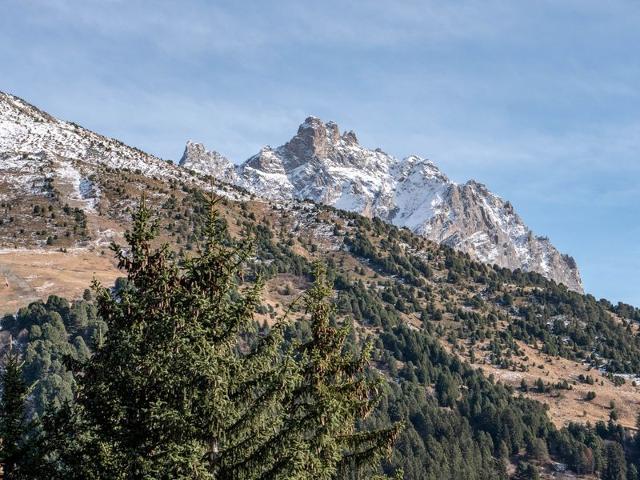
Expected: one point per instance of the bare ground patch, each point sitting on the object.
(28, 275)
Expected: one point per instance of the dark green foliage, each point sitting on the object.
(580, 447)
(576, 326)
(526, 471)
(51, 332)
(615, 466)
(537, 449)
(333, 393)
(13, 422)
(168, 392)
(446, 390)
(470, 430)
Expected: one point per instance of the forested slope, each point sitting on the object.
(440, 324)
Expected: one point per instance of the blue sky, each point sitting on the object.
(538, 99)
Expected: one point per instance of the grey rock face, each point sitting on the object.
(475, 221)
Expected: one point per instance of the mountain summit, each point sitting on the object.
(322, 164)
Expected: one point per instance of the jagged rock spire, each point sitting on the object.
(196, 157)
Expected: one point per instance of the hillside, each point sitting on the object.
(465, 345)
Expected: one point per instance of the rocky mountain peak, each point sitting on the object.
(314, 140)
(321, 164)
(196, 157)
(421, 169)
(350, 138)
(191, 150)
(266, 160)
(333, 132)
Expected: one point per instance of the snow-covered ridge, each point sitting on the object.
(321, 164)
(36, 148)
(26, 130)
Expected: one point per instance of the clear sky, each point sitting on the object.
(540, 100)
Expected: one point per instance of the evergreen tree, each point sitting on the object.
(526, 471)
(335, 394)
(13, 423)
(537, 449)
(446, 390)
(174, 392)
(616, 466)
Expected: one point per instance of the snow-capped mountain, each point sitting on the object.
(321, 164)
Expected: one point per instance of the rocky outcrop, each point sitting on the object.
(198, 159)
(474, 220)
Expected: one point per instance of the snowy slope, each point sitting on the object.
(26, 130)
(36, 148)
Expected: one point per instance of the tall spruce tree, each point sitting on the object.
(173, 385)
(317, 438)
(336, 393)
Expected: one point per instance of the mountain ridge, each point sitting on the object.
(321, 164)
